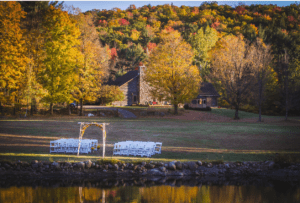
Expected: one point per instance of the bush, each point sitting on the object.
(186, 106)
(109, 94)
(201, 109)
(249, 108)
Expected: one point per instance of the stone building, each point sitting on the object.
(137, 91)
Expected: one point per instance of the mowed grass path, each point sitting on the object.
(182, 140)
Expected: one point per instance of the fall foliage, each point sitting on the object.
(232, 67)
(61, 38)
(128, 37)
(92, 64)
(13, 58)
(170, 71)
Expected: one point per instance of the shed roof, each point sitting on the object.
(124, 78)
(207, 89)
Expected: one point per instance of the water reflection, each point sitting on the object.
(157, 194)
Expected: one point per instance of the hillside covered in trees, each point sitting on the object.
(51, 54)
(133, 33)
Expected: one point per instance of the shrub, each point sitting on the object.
(109, 94)
(186, 106)
(201, 109)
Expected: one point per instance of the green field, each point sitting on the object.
(28, 139)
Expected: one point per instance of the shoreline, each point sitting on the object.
(244, 172)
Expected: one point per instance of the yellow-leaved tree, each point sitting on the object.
(170, 72)
(92, 66)
(61, 36)
(12, 51)
(33, 90)
(233, 67)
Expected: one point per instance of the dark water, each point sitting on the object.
(162, 193)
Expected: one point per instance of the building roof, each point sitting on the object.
(207, 89)
(124, 78)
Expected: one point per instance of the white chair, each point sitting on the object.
(158, 146)
(137, 148)
(116, 149)
(53, 146)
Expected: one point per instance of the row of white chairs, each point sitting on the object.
(137, 148)
(71, 146)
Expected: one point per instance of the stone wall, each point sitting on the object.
(129, 89)
(144, 88)
(88, 169)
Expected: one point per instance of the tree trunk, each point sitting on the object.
(236, 115)
(51, 108)
(1, 108)
(81, 108)
(286, 84)
(237, 106)
(286, 95)
(175, 109)
(32, 106)
(69, 108)
(259, 99)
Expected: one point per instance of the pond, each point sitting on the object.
(170, 192)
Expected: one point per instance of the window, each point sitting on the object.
(204, 101)
(200, 101)
(134, 98)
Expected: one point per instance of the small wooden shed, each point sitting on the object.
(208, 97)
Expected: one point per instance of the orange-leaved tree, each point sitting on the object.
(170, 71)
(12, 51)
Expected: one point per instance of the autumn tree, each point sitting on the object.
(232, 67)
(60, 48)
(12, 51)
(202, 42)
(110, 93)
(92, 67)
(262, 59)
(170, 71)
(34, 44)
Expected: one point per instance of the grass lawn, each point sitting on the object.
(28, 139)
(242, 114)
